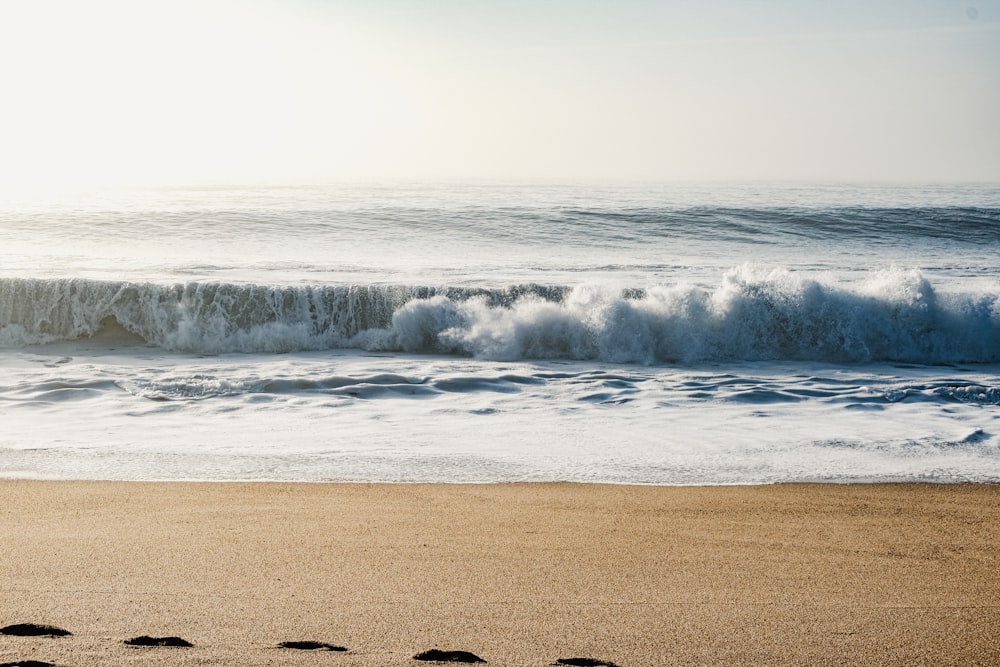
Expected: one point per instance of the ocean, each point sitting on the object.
(640, 334)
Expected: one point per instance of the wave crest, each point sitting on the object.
(752, 314)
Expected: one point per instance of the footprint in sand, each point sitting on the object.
(311, 646)
(158, 641)
(33, 630)
(585, 662)
(434, 655)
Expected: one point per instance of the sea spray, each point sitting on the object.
(753, 314)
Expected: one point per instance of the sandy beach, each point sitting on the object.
(519, 574)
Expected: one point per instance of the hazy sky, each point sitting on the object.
(193, 91)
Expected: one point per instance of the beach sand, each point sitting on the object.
(518, 574)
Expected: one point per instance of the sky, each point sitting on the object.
(181, 92)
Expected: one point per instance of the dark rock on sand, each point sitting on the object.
(34, 630)
(158, 641)
(311, 646)
(27, 663)
(585, 662)
(434, 655)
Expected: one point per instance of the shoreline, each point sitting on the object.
(516, 573)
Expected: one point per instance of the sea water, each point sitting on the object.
(685, 334)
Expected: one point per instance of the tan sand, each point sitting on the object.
(517, 574)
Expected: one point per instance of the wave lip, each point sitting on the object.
(753, 314)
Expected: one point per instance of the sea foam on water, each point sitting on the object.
(752, 315)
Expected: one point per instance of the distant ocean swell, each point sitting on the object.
(752, 314)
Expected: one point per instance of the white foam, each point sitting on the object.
(136, 413)
(753, 314)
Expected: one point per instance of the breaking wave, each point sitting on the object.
(751, 314)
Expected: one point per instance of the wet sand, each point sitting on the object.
(517, 574)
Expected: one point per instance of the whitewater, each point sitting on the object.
(653, 334)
